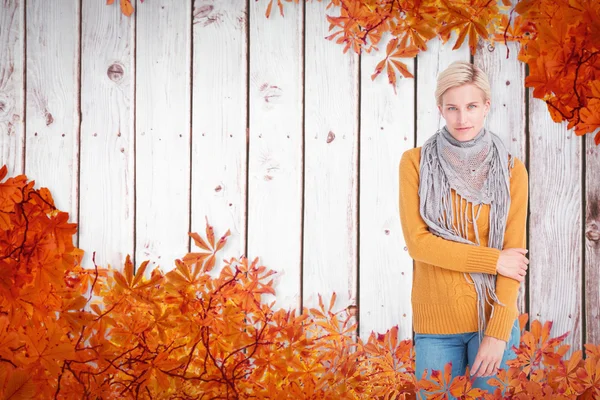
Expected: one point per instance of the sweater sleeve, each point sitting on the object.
(423, 245)
(507, 289)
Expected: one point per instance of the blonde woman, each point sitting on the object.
(463, 209)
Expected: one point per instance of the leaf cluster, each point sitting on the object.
(197, 333)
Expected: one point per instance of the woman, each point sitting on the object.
(463, 209)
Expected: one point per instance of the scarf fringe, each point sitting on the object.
(435, 188)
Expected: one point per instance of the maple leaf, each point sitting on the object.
(19, 385)
(46, 347)
(590, 119)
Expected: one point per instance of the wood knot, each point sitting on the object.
(5, 106)
(330, 137)
(203, 11)
(49, 118)
(352, 310)
(593, 232)
(115, 72)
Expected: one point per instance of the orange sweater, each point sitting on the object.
(443, 301)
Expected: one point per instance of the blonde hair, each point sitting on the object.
(460, 73)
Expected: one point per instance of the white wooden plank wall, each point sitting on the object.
(591, 287)
(162, 126)
(52, 99)
(330, 167)
(12, 89)
(219, 138)
(107, 192)
(205, 109)
(387, 130)
(555, 228)
(275, 175)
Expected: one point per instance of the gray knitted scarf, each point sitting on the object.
(478, 171)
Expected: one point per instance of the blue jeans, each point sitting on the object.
(435, 351)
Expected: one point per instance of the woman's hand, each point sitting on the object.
(512, 263)
(489, 357)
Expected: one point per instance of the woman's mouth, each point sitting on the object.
(463, 129)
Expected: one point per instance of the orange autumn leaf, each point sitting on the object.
(126, 7)
(589, 376)
(462, 387)
(19, 386)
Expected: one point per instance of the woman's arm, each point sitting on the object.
(425, 246)
(507, 289)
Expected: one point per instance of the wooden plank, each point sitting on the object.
(507, 113)
(219, 121)
(52, 100)
(331, 167)
(107, 141)
(555, 228)
(592, 240)
(385, 268)
(507, 80)
(275, 153)
(162, 130)
(429, 64)
(12, 86)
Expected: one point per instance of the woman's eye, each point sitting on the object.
(472, 105)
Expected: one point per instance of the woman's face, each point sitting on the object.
(464, 110)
